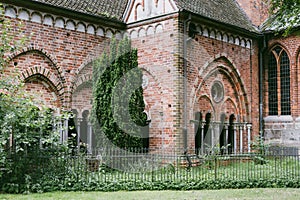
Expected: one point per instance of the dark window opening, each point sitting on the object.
(207, 132)
(231, 134)
(285, 84)
(198, 131)
(273, 96)
(222, 134)
(279, 75)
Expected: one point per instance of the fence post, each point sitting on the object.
(216, 163)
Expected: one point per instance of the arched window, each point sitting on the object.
(279, 82)
(285, 84)
(273, 97)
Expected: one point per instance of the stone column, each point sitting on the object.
(66, 129)
(202, 138)
(234, 138)
(226, 137)
(59, 125)
(241, 137)
(212, 132)
(79, 120)
(249, 137)
(89, 137)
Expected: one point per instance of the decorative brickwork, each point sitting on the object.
(284, 129)
(197, 57)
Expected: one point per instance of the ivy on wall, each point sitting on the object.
(118, 104)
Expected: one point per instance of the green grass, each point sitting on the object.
(265, 194)
(236, 170)
(212, 174)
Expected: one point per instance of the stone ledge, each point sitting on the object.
(285, 118)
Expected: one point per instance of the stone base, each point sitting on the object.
(282, 131)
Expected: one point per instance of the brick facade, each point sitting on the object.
(222, 70)
(157, 58)
(256, 10)
(284, 129)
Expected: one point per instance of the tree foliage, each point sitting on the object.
(285, 15)
(118, 104)
(24, 126)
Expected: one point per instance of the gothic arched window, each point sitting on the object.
(279, 82)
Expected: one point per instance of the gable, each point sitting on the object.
(144, 9)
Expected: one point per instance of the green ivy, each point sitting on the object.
(118, 104)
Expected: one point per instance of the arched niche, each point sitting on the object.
(10, 12)
(70, 25)
(36, 17)
(24, 15)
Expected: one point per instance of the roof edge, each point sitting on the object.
(43, 7)
(226, 26)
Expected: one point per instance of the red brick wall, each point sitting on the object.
(157, 58)
(284, 130)
(161, 57)
(236, 67)
(256, 10)
(64, 56)
(58, 54)
(291, 45)
(43, 93)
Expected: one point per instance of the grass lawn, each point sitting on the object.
(245, 194)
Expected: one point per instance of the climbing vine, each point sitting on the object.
(118, 104)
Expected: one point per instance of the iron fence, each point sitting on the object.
(114, 165)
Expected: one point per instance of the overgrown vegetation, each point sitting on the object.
(285, 14)
(26, 130)
(118, 104)
(224, 173)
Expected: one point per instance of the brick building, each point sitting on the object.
(211, 72)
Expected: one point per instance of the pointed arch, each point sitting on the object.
(215, 69)
(81, 92)
(154, 106)
(205, 105)
(44, 90)
(42, 52)
(230, 106)
(279, 81)
(43, 72)
(33, 62)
